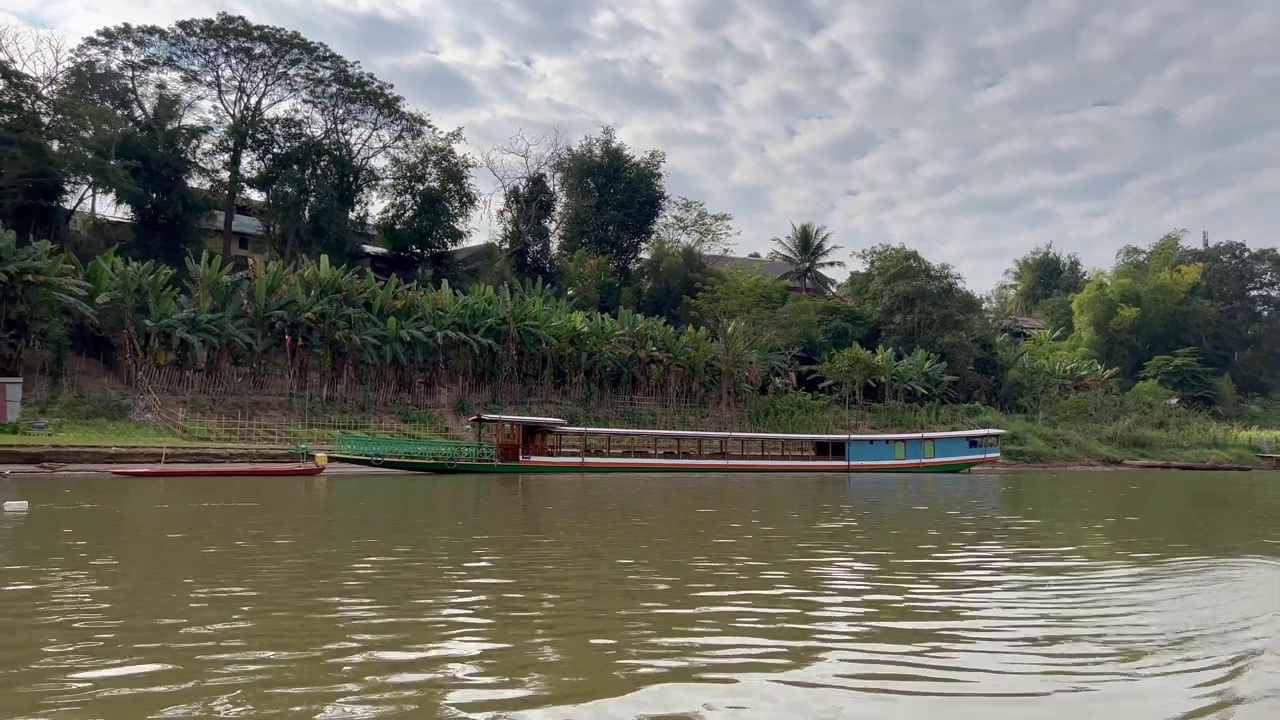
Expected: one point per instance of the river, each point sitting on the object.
(986, 596)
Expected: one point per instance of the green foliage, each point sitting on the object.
(1182, 373)
(38, 284)
(430, 198)
(611, 199)
(1241, 335)
(1142, 308)
(668, 279)
(918, 304)
(32, 173)
(740, 296)
(850, 370)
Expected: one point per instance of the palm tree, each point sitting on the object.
(808, 250)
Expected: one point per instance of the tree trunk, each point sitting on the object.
(229, 204)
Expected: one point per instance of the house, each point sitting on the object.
(1021, 328)
(761, 266)
(102, 231)
(246, 247)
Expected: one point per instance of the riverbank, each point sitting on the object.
(1101, 431)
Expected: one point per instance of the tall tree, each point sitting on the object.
(246, 73)
(32, 183)
(313, 190)
(611, 199)
(808, 249)
(688, 223)
(157, 154)
(529, 208)
(525, 197)
(919, 304)
(429, 199)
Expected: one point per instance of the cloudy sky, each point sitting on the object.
(971, 130)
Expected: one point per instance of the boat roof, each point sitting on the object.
(703, 434)
(560, 426)
(517, 420)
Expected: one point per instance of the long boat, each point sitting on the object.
(178, 470)
(519, 444)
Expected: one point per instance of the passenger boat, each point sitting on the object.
(177, 470)
(517, 444)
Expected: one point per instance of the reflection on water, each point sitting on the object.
(1042, 595)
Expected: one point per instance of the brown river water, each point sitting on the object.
(1036, 595)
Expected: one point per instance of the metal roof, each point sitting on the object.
(616, 432)
(517, 420)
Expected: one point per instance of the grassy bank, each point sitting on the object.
(94, 433)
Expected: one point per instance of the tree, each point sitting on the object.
(429, 199)
(1142, 307)
(1242, 288)
(157, 154)
(590, 282)
(688, 223)
(524, 198)
(313, 190)
(32, 182)
(739, 296)
(851, 370)
(1042, 284)
(1182, 373)
(669, 278)
(918, 304)
(529, 208)
(610, 199)
(808, 250)
(245, 73)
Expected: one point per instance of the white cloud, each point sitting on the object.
(973, 131)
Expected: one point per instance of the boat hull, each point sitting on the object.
(230, 471)
(563, 465)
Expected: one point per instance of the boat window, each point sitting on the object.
(929, 452)
(900, 450)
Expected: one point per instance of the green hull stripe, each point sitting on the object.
(519, 469)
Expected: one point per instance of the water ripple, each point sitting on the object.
(963, 597)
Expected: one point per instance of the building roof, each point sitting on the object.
(240, 224)
(763, 266)
(1030, 323)
(517, 420)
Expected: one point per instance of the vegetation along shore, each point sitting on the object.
(191, 262)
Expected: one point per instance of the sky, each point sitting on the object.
(973, 131)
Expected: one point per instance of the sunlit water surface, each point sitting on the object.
(1048, 595)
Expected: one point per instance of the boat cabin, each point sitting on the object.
(522, 438)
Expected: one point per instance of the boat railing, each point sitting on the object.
(373, 446)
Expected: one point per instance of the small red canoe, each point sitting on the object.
(223, 470)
